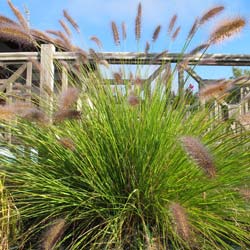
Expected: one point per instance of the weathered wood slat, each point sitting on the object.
(139, 58)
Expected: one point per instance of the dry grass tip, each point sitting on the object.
(180, 220)
(227, 29)
(138, 22)
(208, 15)
(54, 234)
(199, 153)
(68, 98)
(71, 21)
(216, 90)
(115, 33)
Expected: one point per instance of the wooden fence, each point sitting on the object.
(22, 65)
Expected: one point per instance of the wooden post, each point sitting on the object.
(29, 81)
(47, 76)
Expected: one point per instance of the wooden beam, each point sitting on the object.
(195, 76)
(142, 58)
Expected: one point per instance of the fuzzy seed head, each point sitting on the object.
(156, 33)
(68, 98)
(67, 143)
(124, 31)
(176, 33)
(71, 21)
(193, 28)
(138, 22)
(7, 21)
(199, 153)
(14, 33)
(63, 115)
(172, 23)
(35, 115)
(97, 41)
(208, 15)
(53, 235)
(199, 48)
(115, 33)
(133, 100)
(180, 220)
(245, 193)
(65, 28)
(216, 90)
(19, 16)
(227, 29)
(118, 77)
(244, 120)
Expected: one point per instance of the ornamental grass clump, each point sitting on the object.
(131, 169)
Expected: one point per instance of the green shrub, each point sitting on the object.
(130, 170)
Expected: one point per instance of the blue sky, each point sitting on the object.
(94, 18)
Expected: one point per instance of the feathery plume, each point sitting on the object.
(180, 220)
(19, 16)
(63, 115)
(176, 33)
(147, 48)
(133, 100)
(240, 80)
(227, 29)
(94, 55)
(6, 113)
(12, 33)
(199, 48)
(193, 28)
(199, 153)
(97, 41)
(5, 20)
(245, 193)
(216, 90)
(67, 143)
(47, 89)
(172, 23)
(53, 32)
(138, 22)
(37, 34)
(244, 120)
(65, 28)
(68, 98)
(64, 39)
(211, 13)
(82, 55)
(71, 21)
(124, 31)
(118, 77)
(138, 81)
(35, 115)
(115, 33)
(156, 33)
(53, 235)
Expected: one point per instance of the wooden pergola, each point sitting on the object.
(24, 68)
